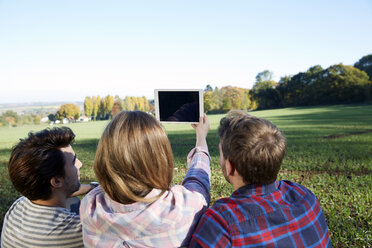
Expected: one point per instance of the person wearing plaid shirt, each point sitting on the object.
(134, 206)
(262, 211)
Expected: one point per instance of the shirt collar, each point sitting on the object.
(119, 207)
(257, 189)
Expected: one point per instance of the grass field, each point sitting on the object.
(329, 151)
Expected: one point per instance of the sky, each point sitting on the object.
(67, 50)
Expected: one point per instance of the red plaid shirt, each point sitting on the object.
(282, 214)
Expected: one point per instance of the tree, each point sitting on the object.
(146, 104)
(283, 90)
(245, 101)
(140, 105)
(208, 104)
(70, 111)
(266, 75)
(365, 64)
(116, 109)
(128, 104)
(151, 105)
(217, 100)
(26, 119)
(133, 100)
(227, 105)
(101, 108)
(51, 117)
(108, 105)
(299, 90)
(10, 120)
(208, 88)
(343, 84)
(96, 105)
(265, 95)
(36, 119)
(235, 95)
(13, 117)
(120, 102)
(88, 106)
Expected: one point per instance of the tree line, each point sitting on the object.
(95, 108)
(337, 84)
(104, 108)
(11, 118)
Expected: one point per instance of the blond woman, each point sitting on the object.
(134, 206)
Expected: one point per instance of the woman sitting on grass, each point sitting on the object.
(134, 205)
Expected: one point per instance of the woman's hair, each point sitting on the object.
(133, 157)
(255, 146)
(37, 159)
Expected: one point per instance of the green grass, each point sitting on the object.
(329, 151)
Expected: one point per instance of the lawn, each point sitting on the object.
(329, 151)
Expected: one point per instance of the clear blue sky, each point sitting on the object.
(66, 50)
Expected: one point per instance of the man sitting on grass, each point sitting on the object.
(262, 212)
(45, 170)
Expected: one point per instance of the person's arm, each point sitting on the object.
(84, 189)
(198, 175)
(202, 130)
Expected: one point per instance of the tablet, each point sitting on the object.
(179, 106)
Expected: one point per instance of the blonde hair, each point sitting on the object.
(133, 157)
(255, 146)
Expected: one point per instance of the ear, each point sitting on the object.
(230, 168)
(56, 182)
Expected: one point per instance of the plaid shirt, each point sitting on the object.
(167, 222)
(281, 214)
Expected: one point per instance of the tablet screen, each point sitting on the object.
(179, 106)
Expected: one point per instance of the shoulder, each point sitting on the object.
(295, 190)
(18, 206)
(227, 205)
(223, 205)
(299, 197)
(94, 199)
(20, 202)
(91, 197)
(26, 219)
(184, 196)
(213, 228)
(221, 211)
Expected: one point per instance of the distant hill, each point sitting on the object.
(35, 107)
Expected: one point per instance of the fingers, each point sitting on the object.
(205, 119)
(202, 129)
(202, 120)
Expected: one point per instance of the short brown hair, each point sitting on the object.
(133, 157)
(253, 145)
(37, 159)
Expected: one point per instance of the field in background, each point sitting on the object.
(35, 107)
(329, 151)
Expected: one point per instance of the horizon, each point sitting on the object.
(64, 51)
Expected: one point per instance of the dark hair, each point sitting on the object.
(37, 159)
(253, 145)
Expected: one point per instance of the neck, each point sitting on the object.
(237, 181)
(238, 185)
(54, 201)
